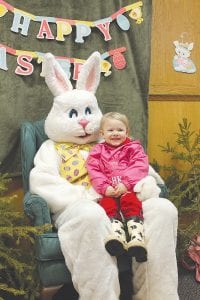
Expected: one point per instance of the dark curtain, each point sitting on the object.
(28, 98)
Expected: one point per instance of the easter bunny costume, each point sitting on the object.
(60, 177)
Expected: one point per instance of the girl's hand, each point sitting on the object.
(110, 192)
(120, 189)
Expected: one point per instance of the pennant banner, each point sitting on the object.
(25, 67)
(22, 19)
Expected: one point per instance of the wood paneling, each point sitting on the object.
(171, 18)
(164, 117)
(173, 95)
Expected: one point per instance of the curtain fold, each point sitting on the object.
(28, 98)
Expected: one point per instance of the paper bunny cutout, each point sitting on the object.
(181, 61)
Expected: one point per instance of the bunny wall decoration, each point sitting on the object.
(181, 61)
(60, 177)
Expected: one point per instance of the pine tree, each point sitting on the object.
(18, 275)
(183, 181)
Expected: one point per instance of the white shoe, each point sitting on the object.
(136, 245)
(115, 244)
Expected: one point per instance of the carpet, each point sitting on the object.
(188, 287)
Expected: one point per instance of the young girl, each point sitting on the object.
(114, 167)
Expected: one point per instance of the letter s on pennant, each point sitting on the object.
(25, 67)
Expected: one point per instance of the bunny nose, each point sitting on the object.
(83, 122)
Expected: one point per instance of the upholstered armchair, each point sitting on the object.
(52, 270)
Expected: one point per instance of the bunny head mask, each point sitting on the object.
(75, 115)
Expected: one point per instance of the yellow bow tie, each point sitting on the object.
(72, 162)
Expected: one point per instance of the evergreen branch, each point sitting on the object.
(17, 262)
(12, 262)
(13, 291)
(22, 231)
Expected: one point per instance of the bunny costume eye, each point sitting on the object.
(73, 113)
(88, 111)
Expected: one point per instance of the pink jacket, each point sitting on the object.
(109, 165)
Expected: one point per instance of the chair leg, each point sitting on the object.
(47, 293)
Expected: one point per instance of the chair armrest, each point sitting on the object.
(36, 209)
(164, 191)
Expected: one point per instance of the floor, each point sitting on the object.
(189, 288)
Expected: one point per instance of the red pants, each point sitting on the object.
(128, 204)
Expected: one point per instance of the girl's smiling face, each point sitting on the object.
(114, 132)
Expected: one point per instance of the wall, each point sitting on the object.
(173, 95)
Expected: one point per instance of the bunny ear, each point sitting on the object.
(55, 77)
(89, 76)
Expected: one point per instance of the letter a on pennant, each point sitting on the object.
(45, 30)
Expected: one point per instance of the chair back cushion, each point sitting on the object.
(32, 136)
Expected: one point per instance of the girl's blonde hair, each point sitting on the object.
(116, 116)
